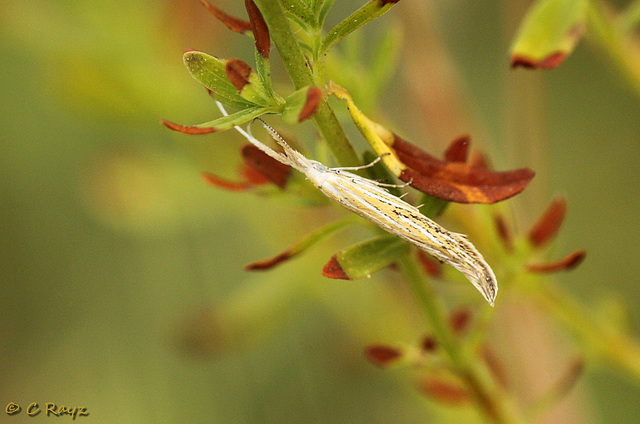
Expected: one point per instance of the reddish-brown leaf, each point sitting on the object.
(504, 232)
(314, 96)
(443, 390)
(384, 2)
(565, 264)
(459, 320)
(458, 150)
(259, 28)
(548, 224)
(332, 269)
(186, 129)
(224, 183)
(269, 263)
(253, 176)
(382, 355)
(231, 22)
(276, 172)
(549, 62)
(431, 266)
(238, 73)
(456, 181)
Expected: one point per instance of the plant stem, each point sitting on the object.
(490, 399)
(612, 345)
(603, 32)
(301, 75)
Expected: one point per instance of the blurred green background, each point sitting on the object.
(122, 278)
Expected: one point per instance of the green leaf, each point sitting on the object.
(301, 105)
(220, 124)
(370, 11)
(550, 31)
(363, 259)
(210, 72)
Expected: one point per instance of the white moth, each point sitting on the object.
(374, 203)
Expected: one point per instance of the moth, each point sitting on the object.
(373, 202)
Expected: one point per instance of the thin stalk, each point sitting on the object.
(603, 32)
(301, 75)
(612, 345)
(490, 399)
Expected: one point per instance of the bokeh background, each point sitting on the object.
(121, 272)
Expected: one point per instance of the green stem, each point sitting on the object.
(301, 75)
(615, 347)
(491, 400)
(604, 33)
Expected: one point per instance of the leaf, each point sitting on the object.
(550, 31)
(451, 181)
(382, 355)
(548, 224)
(259, 28)
(444, 388)
(455, 181)
(234, 24)
(363, 259)
(370, 11)
(301, 105)
(231, 81)
(247, 82)
(220, 124)
(301, 246)
(565, 264)
(275, 171)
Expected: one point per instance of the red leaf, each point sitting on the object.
(382, 355)
(269, 263)
(231, 22)
(431, 266)
(459, 320)
(444, 390)
(565, 264)
(549, 62)
(253, 176)
(259, 28)
(190, 130)
(225, 184)
(332, 269)
(276, 172)
(238, 73)
(314, 96)
(503, 231)
(458, 150)
(455, 181)
(548, 224)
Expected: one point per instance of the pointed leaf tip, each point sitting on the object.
(333, 269)
(269, 263)
(565, 264)
(548, 224)
(259, 28)
(446, 390)
(458, 150)
(549, 62)
(549, 33)
(216, 181)
(190, 130)
(231, 22)
(382, 355)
